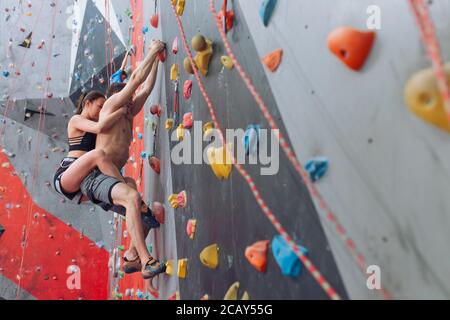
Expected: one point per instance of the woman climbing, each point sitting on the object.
(83, 157)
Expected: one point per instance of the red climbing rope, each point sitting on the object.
(324, 284)
(431, 43)
(323, 207)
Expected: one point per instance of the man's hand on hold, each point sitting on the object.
(157, 46)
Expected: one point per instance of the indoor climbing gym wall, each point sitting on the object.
(355, 99)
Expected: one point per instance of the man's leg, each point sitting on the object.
(124, 195)
(131, 254)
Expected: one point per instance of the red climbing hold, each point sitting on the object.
(351, 46)
(273, 60)
(154, 21)
(156, 110)
(187, 89)
(155, 164)
(188, 120)
(162, 55)
(158, 212)
(256, 254)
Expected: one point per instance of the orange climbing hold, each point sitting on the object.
(351, 46)
(256, 254)
(154, 21)
(273, 60)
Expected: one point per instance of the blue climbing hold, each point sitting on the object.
(144, 30)
(287, 260)
(144, 155)
(140, 136)
(317, 168)
(251, 139)
(266, 10)
(5, 73)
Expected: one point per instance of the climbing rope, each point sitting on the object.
(319, 278)
(323, 206)
(431, 43)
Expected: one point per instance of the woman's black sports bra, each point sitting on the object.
(83, 143)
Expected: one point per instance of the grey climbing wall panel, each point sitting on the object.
(227, 213)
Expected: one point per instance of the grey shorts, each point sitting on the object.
(97, 187)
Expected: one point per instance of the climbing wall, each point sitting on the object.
(75, 45)
(226, 212)
(382, 202)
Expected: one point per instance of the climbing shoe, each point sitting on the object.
(152, 268)
(130, 267)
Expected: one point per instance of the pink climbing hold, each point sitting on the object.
(155, 164)
(188, 120)
(187, 89)
(158, 212)
(156, 110)
(175, 46)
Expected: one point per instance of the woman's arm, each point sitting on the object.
(86, 125)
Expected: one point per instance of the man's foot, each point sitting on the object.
(131, 266)
(152, 268)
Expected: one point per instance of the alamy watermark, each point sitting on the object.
(253, 146)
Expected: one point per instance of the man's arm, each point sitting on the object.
(137, 78)
(125, 61)
(146, 90)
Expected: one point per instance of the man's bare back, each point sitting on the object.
(116, 141)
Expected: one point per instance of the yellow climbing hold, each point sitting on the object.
(245, 296)
(169, 124)
(180, 7)
(169, 267)
(220, 161)
(182, 267)
(208, 130)
(178, 200)
(424, 99)
(174, 72)
(205, 297)
(180, 132)
(227, 62)
(232, 292)
(203, 57)
(209, 257)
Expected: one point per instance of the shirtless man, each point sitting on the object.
(113, 194)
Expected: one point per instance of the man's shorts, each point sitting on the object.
(98, 187)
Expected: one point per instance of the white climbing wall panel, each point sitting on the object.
(389, 173)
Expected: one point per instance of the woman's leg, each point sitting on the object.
(72, 178)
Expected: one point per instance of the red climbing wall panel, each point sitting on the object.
(51, 248)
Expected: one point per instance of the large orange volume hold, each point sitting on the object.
(351, 46)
